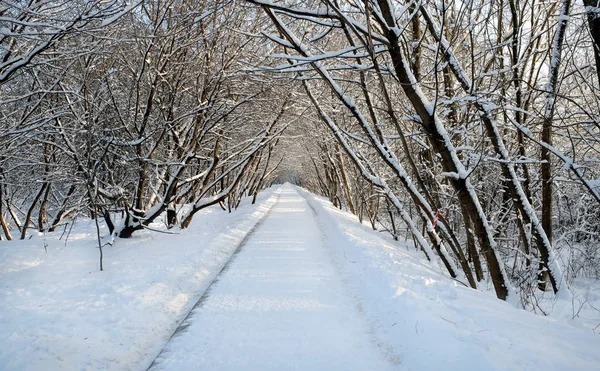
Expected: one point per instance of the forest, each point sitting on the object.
(467, 129)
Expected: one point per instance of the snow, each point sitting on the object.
(432, 322)
(59, 312)
(119, 14)
(278, 40)
(349, 52)
(309, 288)
(279, 305)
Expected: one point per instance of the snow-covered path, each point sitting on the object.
(279, 304)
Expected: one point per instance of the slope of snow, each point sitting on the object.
(59, 312)
(432, 322)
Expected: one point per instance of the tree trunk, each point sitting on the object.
(546, 172)
(62, 210)
(593, 17)
(42, 214)
(2, 221)
(30, 211)
(440, 143)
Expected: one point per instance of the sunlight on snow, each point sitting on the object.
(401, 290)
(177, 303)
(22, 265)
(290, 210)
(429, 281)
(241, 303)
(155, 295)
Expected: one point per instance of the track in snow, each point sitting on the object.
(278, 305)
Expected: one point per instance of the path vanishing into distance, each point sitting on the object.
(290, 282)
(279, 304)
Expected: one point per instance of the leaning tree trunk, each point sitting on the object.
(593, 17)
(549, 261)
(441, 144)
(2, 220)
(30, 211)
(544, 274)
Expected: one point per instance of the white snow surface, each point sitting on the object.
(59, 312)
(435, 323)
(279, 305)
(310, 288)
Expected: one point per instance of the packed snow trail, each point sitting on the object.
(280, 304)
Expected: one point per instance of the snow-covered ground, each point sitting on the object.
(59, 312)
(279, 305)
(433, 322)
(310, 288)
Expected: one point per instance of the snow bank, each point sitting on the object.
(430, 322)
(59, 312)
